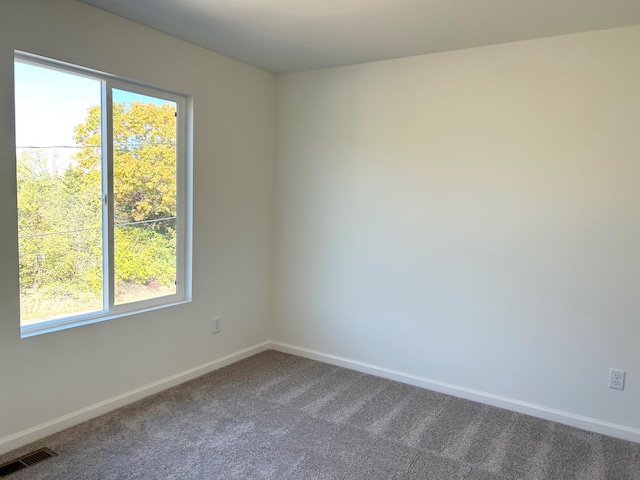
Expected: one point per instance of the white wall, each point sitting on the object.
(470, 217)
(45, 377)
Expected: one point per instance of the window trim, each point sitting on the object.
(184, 199)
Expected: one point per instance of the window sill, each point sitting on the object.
(49, 326)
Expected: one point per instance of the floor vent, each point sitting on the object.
(26, 461)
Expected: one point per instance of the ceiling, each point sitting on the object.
(284, 36)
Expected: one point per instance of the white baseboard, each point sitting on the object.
(586, 423)
(559, 416)
(57, 424)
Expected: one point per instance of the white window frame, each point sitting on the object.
(184, 199)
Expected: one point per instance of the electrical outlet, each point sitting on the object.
(217, 325)
(616, 378)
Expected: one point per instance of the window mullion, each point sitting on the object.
(182, 211)
(107, 190)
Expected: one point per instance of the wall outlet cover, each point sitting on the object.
(617, 378)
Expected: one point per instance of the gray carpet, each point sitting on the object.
(277, 416)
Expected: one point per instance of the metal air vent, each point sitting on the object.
(26, 461)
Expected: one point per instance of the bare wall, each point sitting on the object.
(471, 217)
(52, 375)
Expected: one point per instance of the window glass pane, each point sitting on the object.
(59, 183)
(144, 188)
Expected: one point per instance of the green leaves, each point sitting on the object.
(60, 213)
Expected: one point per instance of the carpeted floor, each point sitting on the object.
(277, 416)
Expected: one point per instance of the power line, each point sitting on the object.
(155, 220)
(60, 146)
(66, 232)
(136, 145)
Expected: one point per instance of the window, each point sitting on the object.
(103, 195)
